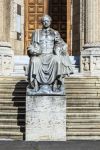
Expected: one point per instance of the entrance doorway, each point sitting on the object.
(60, 11)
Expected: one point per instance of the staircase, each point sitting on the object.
(83, 108)
(12, 108)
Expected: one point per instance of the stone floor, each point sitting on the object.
(69, 145)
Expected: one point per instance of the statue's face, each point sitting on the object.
(46, 22)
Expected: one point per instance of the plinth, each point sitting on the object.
(45, 118)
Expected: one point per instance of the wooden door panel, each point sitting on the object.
(57, 9)
(34, 10)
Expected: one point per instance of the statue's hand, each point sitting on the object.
(34, 50)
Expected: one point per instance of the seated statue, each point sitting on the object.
(48, 60)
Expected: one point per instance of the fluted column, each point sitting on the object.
(6, 52)
(4, 20)
(90, 54)
(92, 21)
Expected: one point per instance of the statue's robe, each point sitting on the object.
(48, 58)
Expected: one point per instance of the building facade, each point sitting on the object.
(77, 21)
(20, 18)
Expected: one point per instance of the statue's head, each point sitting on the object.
(46, 21)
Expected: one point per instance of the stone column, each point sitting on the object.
(4, 20)
(90, 54)
(6, 52)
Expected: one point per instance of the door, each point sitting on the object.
(34, 10)
(59, 10)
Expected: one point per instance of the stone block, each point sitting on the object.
(45, 118)
(90, 59)
(6, 59)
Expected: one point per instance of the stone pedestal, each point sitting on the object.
(90, 59)
(6, 59)
(45, 118)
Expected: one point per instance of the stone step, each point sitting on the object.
(83, 109)
(12, 91)
(12, 103)
(82, 120)
(78, 133)
(12, 122)
(86, 123)
(82, 100)
(11, 97)
(13, 86)
(12, 78)
(81, 86)
(15, 94)
(82, 91)
(86, 131)
(5, 115)
(83, 104)
(12, 109)
(82, 79)
(12, 128)
(11, 135)
(83, 115)
(12, 81)
(82, 95)
(81, 127)
(81, 137)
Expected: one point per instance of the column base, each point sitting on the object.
(45, 118)
(90, 59)
(6, 59)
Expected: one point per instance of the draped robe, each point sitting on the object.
(48, 58)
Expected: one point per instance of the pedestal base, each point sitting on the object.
(90, 59)
(45, 118)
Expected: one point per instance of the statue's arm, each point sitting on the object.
(30, 48)
(60, 45)
(33, 48)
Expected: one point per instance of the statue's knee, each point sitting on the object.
(57, 60)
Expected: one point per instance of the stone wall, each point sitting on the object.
(9, 24)
(17, 44)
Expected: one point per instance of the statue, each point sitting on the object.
(48, 61)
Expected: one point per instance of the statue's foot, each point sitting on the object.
(57, 85)
(34, 85)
